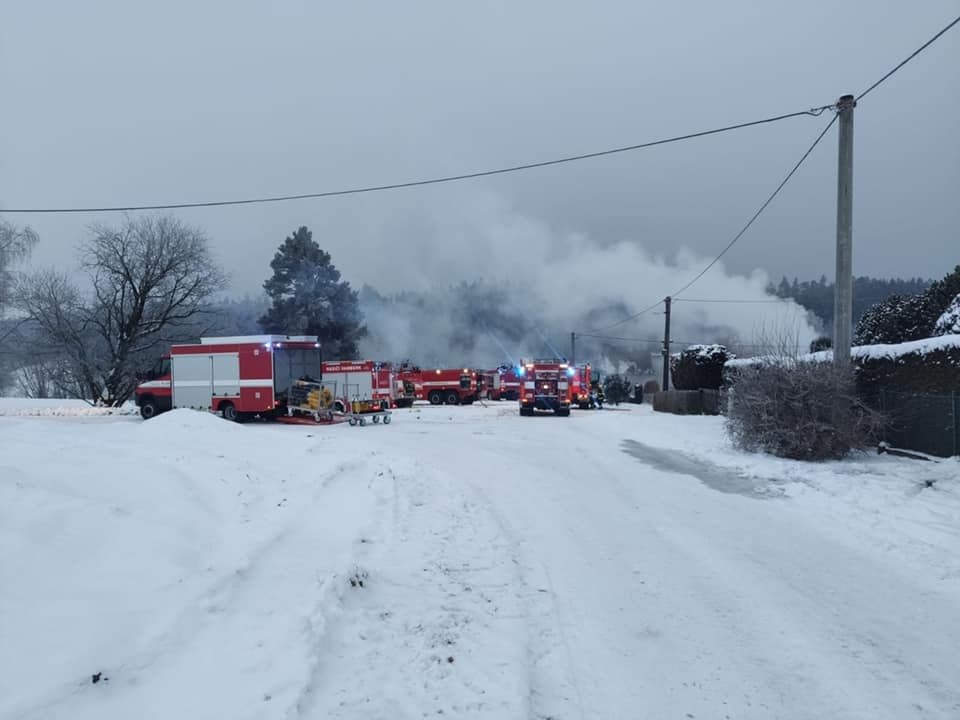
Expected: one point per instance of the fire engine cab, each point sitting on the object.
(238, 377)
(545, 385)
(509, 382)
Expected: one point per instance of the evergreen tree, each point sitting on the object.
(821, 343)
(949, 322)
(901, 319)
(942, 292)
(308, 298)
(895, 320)
(617, 389)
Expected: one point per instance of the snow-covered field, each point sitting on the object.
(466, 562)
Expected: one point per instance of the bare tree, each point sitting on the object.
(15, 244)
(150, 279)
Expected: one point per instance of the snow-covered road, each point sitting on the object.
(466, 562)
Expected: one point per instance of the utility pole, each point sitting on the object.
(666, 344)
(843, 289)
(573, 348)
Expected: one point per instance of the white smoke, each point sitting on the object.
(532, 286)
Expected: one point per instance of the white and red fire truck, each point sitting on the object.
(442, 385)
(399, 392)
(239, 377)
(366, 382)
(545, 385)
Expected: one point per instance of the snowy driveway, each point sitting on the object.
(466, 562)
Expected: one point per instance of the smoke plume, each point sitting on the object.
(485, 285)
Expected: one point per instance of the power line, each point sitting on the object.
(627, 319)
(815, 112)
(688, 343)
(736, 237)
(910, 57)
(699, 300)
(785, 180)
(763, 207)
(622, 339)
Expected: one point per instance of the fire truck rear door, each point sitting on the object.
(226, 374)
(192, 381)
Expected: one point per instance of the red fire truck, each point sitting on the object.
(442, 385)
(545, 385)
(488, 384)
(509, 382)
(580, 386)
(238, 377)
(401, 393)
(366, 382)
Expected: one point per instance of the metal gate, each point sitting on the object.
(925, 423)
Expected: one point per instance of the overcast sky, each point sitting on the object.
(126, 102)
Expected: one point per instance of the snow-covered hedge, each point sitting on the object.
(699, 366)
(931, 365)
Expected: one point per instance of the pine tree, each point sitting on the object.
(308, 298)
(901, 319)
(895, 320)
(949, 322)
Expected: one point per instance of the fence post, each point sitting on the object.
(887, 420)
(956, 422)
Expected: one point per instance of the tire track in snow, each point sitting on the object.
(552, 684)
(433, 630)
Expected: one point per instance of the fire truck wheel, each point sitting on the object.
(386, 419)
(148, 409)
(435, 397)
(453, 398)
(384, 404)
(339, 407)
(353, 421)
(230, 412)
(376, 419)
(563, 412)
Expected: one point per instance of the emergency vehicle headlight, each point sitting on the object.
(520, 371)
(570, 372)
(267, 345)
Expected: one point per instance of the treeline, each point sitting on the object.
(141, 285)
(817, 295)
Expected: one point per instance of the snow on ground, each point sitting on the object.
(466, 562)
(24, 407)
